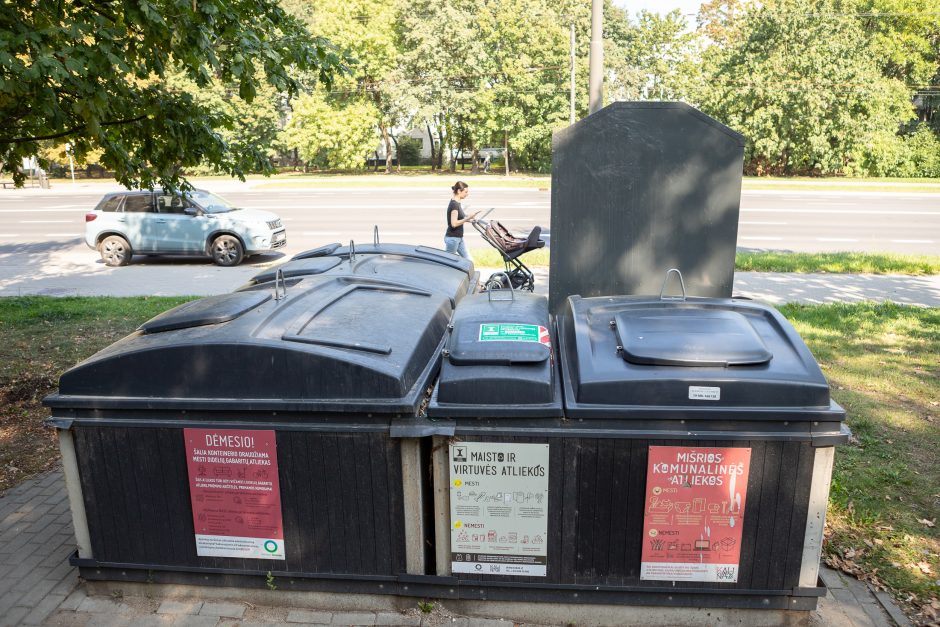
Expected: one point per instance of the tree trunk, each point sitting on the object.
(431, 139)
(506, 150)
(397, 156)
(461, 151)
(440, 149)
(388, 147)
(476, 161)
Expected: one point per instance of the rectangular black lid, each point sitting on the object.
(640, 356)
(689, 337)
(498, 360)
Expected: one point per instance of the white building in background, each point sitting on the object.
(418, 133)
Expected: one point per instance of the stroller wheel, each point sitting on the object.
(493, 284)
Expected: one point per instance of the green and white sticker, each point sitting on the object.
(513, 332)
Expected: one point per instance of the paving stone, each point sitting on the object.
(102, 605)
(41, 529)
(35, 595)
(153, 620)
(13, 616)
(30, 577)
(227, 610)
(887, 602)
(36, 512)
(394, 618)
(8, 600)
(195, 621)
(489, 622)
(309, 617)
(179, 607)
(67, 619)
(107, 620)
(73, 600)
(43, 609)
(67, 584)
(831, 578)
(15, 540)
(353, 618)
(879, 618)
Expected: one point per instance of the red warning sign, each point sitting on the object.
(694, 513)
(235, 493)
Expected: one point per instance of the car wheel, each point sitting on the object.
(115, 251)
(227, 251)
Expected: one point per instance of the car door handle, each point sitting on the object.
(122, 219)
(161, 221)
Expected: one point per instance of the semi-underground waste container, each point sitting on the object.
(246, 436)
(691, 469)
(498, 393)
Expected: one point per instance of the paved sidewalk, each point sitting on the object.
(72, 275)
(39, 587)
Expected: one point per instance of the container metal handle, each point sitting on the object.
(511, 299)
(662, 291)
(279, 282)
(375, 235)
(352, 253)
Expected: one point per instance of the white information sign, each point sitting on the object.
(499, 508)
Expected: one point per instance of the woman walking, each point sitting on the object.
(456, 218)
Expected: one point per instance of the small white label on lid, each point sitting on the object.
(701, 393)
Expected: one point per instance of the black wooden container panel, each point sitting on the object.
(797, 531)
(789, 461)
(597, 491)
(752, 513)
(340, 500)
(760, 576)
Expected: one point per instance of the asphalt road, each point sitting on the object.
(798, 220)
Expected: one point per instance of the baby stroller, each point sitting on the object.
(517, 275)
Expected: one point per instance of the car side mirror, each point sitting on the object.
(191, 211)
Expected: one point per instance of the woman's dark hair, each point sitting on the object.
(459, 186)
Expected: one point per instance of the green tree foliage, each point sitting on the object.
(92, 73)
(364, 29)
(524, 85)
(801, 84)
(247, 127)
(663, 51)
(409, 151)
(330, 135)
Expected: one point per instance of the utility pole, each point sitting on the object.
(596, 80)
(68, 149)
(572, 73)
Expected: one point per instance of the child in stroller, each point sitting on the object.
(516, 275)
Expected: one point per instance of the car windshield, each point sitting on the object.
(210, 203)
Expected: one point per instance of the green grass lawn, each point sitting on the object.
(41, 337)
(838, 263)
(883, 364)
(882, 361)
(835, 263)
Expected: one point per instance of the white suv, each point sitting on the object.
(193, 223)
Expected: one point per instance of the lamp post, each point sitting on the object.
(596, 79)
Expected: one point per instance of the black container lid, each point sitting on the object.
(351, 339)
(498, 360)
(211, 310)
(645, 357)
(689, 337)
